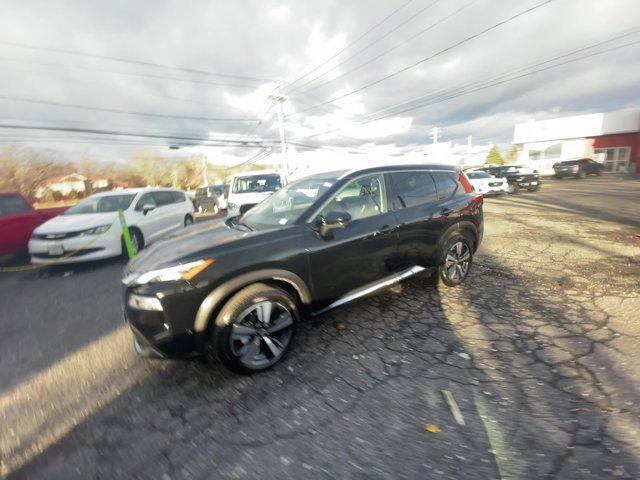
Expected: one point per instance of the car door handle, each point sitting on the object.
(385, 229)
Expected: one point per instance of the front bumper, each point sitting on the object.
(75, 249)
(165, 329)
(492, 190)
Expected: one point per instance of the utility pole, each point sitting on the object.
(205, 180)
(280, 99)
(435, 134)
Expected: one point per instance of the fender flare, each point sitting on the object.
(215, 298)
(458, 227)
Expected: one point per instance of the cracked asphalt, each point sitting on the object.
(539, 349)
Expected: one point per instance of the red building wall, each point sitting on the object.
(621, 140)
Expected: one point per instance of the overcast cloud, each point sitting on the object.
(280, 41)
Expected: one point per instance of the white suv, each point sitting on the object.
(91, 230)
(249, 189)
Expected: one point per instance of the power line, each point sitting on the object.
(238, 142)
(132, 62)
(352, 43)
(482, 85)
(395, 47)
(369, 45)
(132, 74)
(111, 86)
(423, 60)
(506, 73)
(122, 112)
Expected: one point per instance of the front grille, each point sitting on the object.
(77, 253)
(55, 236)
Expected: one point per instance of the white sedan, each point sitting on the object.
(487, 184)
(91, 230)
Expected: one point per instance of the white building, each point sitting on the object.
(612, 138)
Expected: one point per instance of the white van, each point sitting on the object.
(250, 188)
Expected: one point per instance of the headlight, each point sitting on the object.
(95, 230)
(185, 271)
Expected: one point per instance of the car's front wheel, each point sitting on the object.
(255, 329)
(514, 188)
(456, 261)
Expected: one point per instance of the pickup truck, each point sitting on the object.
(18, 219)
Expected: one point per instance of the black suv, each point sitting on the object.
(516, 178)
(577, 168)
(235, 289)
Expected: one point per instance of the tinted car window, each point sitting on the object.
(146, 199)
(413, 188)
(362, 198)
(163, 198)
(12, 205)
(178, 197)
(445, 184)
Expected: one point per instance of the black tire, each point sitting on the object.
(137, 241)
(599, 172)
(242, 341)
(558, 177)
(514, 188)
(188, 220)
(461, 270)
(581, 174)
(534, 189)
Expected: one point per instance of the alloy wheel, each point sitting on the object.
(260, 335)
(457, 262)
(135, 243)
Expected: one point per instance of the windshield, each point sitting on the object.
(287, 205)
(102, 204)
(478, 175)
(257, 183)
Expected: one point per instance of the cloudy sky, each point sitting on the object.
(361, 74)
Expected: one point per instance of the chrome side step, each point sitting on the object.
(372, 287)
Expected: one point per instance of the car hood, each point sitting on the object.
(255, 197)
(76, 223)
(187, 245)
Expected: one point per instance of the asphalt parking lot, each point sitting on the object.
(538, 348)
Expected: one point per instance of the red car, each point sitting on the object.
(18, 218)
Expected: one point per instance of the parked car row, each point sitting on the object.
(496, 180)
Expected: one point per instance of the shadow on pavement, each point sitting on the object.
(533, 375)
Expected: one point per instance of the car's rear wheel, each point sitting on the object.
(582, 174)
(514, 188)
(456, 261)
(255, 329)
(188, 220)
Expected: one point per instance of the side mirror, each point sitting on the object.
(332, 221)
(147, 207)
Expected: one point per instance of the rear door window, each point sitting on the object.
(446, 186)
(178, 197)
(412, 188)
(12, 205)
(163, 198)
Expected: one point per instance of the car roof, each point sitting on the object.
(258, 172)
(133, 191)
(398, 168)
